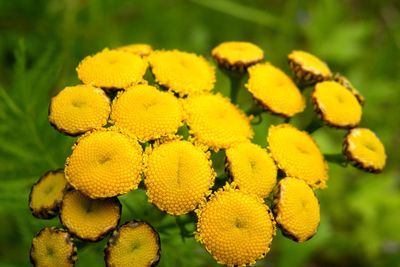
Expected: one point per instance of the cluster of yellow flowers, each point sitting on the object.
(164, 129)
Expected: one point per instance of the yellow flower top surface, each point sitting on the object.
(236, 228)
(252, 169)
(178, 176)
(78, 109)
(364, 149)
(237, 54)
(296, 209)
(142, 50)
(53, 247)
(347, 84)
(112, 69)
(47, 194)
(336, 105)
(274, 90)
(310, 63)
(297, 154)
(104, 163)
(182, 72)
(216, 122)
(89, 219)
(147, 113)
(135, 244)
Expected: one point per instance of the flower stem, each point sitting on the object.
(236, 80)
(339, 159)
(314, 125)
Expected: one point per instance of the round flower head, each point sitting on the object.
(53, 247)
(274, 90)
(216, 122)
(182, 72)
(296, 209)
(89, 219)
(251, 168)
(364, 150)
(112, 69)
(134, 244)
(47, 193)
(178, 176)
(142, 50)
(237, 55)
(78, 109)
(236, 228)
(297, 154)
(346, 83)
(104, 163)
(336, 105)
(146, 112)
(307, 67)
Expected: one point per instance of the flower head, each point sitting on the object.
(346, 83)
(142, 50)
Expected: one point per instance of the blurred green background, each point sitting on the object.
(41, 43)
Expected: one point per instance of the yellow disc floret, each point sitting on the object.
(182, 72)
(178, 176)
(336, 105)
(89, 219)
(135, 244)
(237, 54)
(78, 109)
(47, 193)
(251, 168)
(274, 90)
(53, 247)
(364, 149)
(216, 122)
(307, 67)
(112, 69)
(297, 154)
(142, 50)
(236, 228)
(104, 163)
(147, 113)
(296, 209)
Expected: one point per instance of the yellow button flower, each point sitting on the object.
(274, 90)
(142, 50)
(236, 228)
(182, 72)
(104, 163)
(216, 122)
(346, 83)
(336, 105)
(78, 109)
(364, 150)
(296, 209)
(178, 176)
(112, 69)
(147, 113)
(251, 168)
(297, 154)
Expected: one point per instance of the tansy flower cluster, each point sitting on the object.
(148, 119)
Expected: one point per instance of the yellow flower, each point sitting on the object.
(78, 109)
(53, 247)
(307, 67)
(112, 69)
(216, 122)
(251, 168)
(142, 50)
(296, 209)
(178, 176)
(336, 105)
(134, 244)
(146, 112)
(237, 54)
(274, 90)
(47, 194)
(104, 163)
(236, 228)
(297, 154)
(364, 150)
(346, 83)
(89, 219)
(182, 72)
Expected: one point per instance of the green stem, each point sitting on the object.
(339, 159)
(314, 125)
(235, 80)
